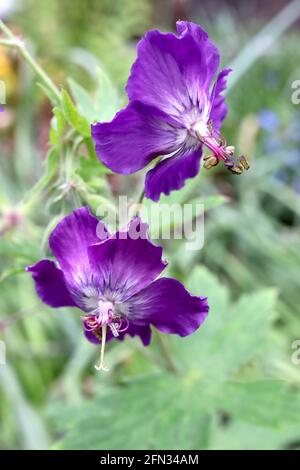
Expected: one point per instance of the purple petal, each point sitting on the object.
(206, 47)
(144, 332)
(136, 135)
(219, 108)
(168, 306)
(50, 284)
(94, 339)
(172, 172)
(69, 242)
(170, 72)
(184, 28)
(124, 266)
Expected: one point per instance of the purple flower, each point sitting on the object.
(113, 279)
(173, 111)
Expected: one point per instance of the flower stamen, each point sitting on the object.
(114, 329)
(216, 142)
(97, 321)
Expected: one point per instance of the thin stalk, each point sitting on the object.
(164, 349)
(138, 203)
(13, 41)
(141, 198)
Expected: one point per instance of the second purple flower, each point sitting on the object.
(114, 282)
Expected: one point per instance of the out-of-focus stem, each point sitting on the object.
(141, 198)
(256, 47)
(138, 203)
(164, 348)
(13, 41)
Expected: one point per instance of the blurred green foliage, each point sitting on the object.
(77, 30)
(235, 385)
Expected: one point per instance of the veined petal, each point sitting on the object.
(136, 135)
(206, 47)
(126, 262)
(168, 306)
(219, 108)
(69, 242)
(172, 172)
(170, 72)
(50, 284)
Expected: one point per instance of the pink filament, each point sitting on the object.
(94, 322)
(219, 150)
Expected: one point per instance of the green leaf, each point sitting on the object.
(210, 202)
(83, 100)
(241, 435)
(203, 282)
(10, 272)
(20, 252)
(245, 329)
(265, 402)
(116, 419)
(177, 411)
(107, 100)
(91, 182)
(231, 335)
(90, 168)
(73, 116)
(57, 126)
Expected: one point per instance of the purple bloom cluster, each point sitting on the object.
(174, 109)
(113, 280)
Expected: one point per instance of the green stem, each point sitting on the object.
(164, 348)
(8, 33)
(141, 198)
(139, 202)
(7, 42)
(13, 41)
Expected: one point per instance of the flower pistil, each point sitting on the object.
(97, 321)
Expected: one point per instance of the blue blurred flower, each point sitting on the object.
(296, 186)
(294, 128)
(268, 120)
(291, 157)
(273, 144)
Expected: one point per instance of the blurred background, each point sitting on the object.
(238, 385)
